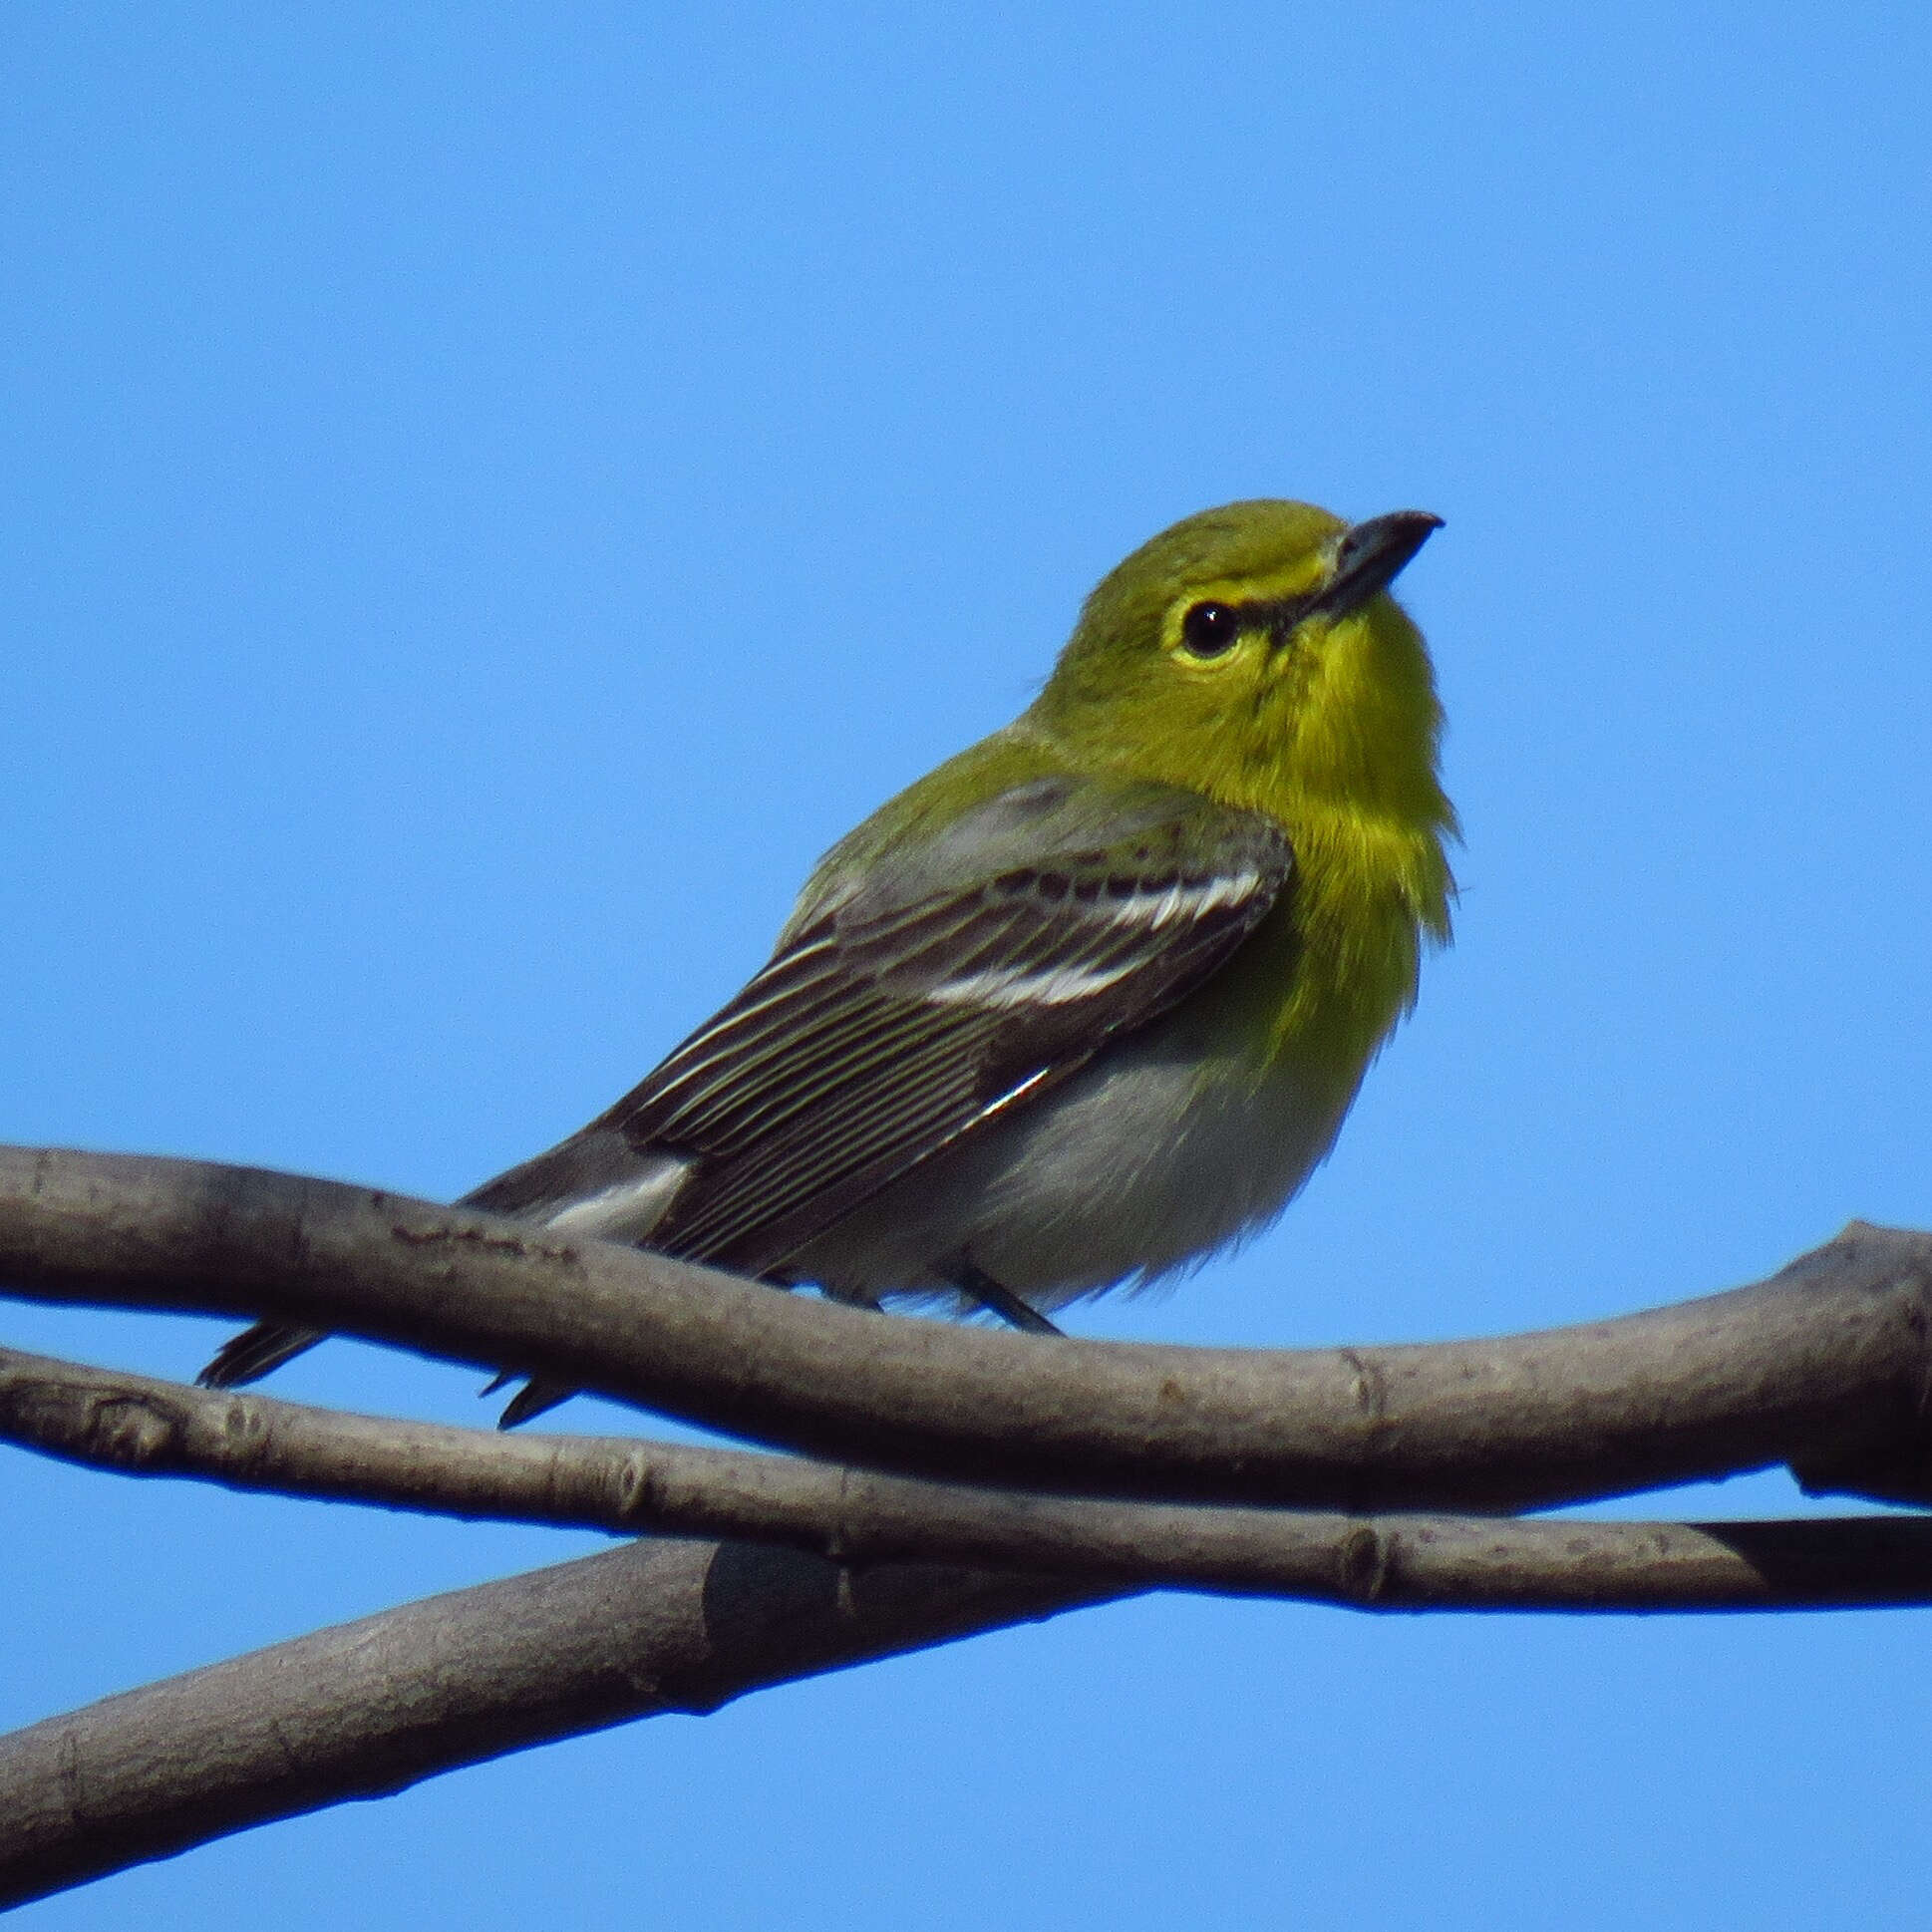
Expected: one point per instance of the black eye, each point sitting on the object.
(1210, 629)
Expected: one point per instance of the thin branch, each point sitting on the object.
(368, 1707)
(1826, 1367)
(1823, 1365)
(139, 1425)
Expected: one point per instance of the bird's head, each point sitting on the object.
(1254, 652)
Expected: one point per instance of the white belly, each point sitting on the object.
(1131, 1169)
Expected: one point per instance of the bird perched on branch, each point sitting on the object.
(1089, 1001)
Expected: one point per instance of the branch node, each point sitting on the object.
(836, 1544)
(635, 1487)
(243, 1424)
(137, 1431)
(1362, 1564)
(1368, 1386)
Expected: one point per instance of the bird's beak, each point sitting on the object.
(1371, 556)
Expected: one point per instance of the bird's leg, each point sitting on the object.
(997, 1299)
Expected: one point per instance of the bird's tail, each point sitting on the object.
(533, 1399)
(250, 1355)
(261, 1350)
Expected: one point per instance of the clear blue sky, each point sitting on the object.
(491, 493)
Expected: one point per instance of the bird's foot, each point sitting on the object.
(998, 1299)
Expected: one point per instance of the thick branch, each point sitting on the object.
(367, 1708)
(144, 1427)
(1825, 1366)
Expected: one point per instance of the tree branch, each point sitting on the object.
(1825, 1365)
(139, 1425)
(367, 1708)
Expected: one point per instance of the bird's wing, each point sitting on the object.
(943, 985)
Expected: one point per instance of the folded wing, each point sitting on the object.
(956, 981)
(908, 1004)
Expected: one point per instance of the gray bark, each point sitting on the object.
(1095, 1446)
(1823, 1366)
(139, 1425)
(367, 1708)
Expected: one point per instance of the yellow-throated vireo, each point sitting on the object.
(1088, 1002)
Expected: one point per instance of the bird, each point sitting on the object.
(1089, 1002)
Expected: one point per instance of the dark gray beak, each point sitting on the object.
(1372, 555)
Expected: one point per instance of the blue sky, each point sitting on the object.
(493, 495)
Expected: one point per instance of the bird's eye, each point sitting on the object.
(1209, 630)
